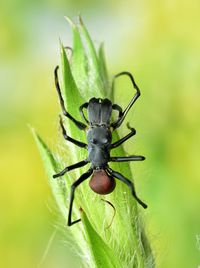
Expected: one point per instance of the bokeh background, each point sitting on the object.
(159, 42)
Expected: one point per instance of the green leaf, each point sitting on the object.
(96, 87)
(103, 255)
(60, 189)
(103, 69)
(79, 62)
(57, 186)
(124, 243)
(72, 97)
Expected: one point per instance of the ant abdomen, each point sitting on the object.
(101, 182)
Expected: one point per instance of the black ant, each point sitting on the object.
(99, 138)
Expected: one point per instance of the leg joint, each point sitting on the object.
(73, 187)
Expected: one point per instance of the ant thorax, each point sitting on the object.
(99, 140)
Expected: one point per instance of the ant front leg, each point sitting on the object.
(85, 105)
(117, 108)
(118, 123)
(68, 138)
(128, 136)
(83, 177)
(130, 184)
(80, 125)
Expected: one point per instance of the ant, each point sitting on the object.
(99, 143)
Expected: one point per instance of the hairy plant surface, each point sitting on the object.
(83, 75)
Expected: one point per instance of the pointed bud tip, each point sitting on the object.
(80, 19)
(71, 23)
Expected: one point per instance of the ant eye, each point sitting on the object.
(94, 141)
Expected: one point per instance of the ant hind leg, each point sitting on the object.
(129, 183)
(82, 178)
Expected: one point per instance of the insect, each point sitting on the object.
(99, 128)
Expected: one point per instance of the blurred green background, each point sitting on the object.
(159, 42)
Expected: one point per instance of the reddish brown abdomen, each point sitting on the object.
(101, 182)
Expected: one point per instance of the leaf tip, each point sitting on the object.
(80, 20)
(70, 21)
(62, 49)
(33, 131)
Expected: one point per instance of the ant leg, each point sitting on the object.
(127, 158)
(80, 125)
(85, 105)
(128, 136)
(74, 166)
(117, 123)
(68, 138)
(117, 108)
(83, 177)
(129, 183)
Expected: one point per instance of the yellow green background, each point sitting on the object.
(159, 42)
